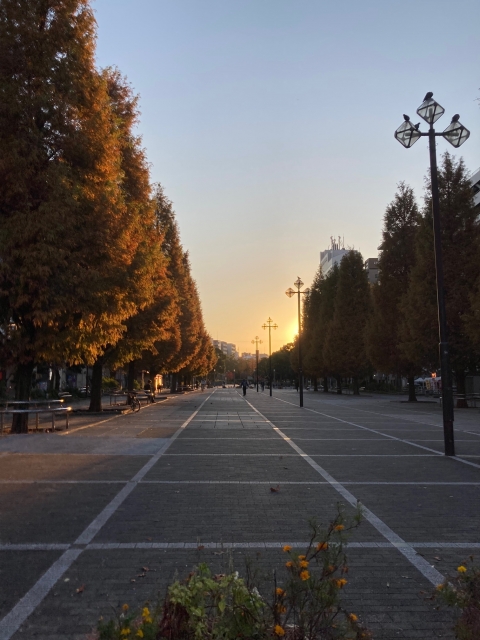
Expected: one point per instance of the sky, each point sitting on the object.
(270, 125)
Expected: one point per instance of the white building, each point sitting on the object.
(333, 255)
(228, 348)
(475, 182)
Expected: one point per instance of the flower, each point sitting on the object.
(281, 608)
(125, 607)
(322, 546)
(139, 634)
(353, 617)
(289, 564)
(304, 575)
(145, 612)
(440, 587)
(125, 632)
(304, 564)
(279, 631)
(339, 527)
(341, 582)
(302, 557)
(279, 591)
(461, 569)
(287, 547)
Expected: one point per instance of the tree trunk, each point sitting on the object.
(23, 384)
(131, 376)
(173, 383)
(325, 384)
(356, 390)
(339, 384)
(96, 390)
(461, 390)
(412, 396)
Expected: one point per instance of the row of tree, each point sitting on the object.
(352, 328)
(91, 265)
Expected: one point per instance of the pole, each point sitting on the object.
(270, 356)
(447, 391)
(257, 366)
(300, 370)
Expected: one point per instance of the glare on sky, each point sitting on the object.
(270, 125)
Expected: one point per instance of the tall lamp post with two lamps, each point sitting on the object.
(291, 292)
(407, 134)
(270, 325)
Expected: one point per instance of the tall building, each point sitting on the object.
(228, 348)
(371, 267)
(333, 255)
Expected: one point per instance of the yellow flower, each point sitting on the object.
(304, 575)
(139, 634)
(304, 564)
(339, 527)
(302, 557)
(279, 631)
(353, 617)
(125, 632)
(461, 569)
(289, 564)
(287, 547)
(279, 591)
(125, 607)
(281, 608)
(322, 546)
(145, 612)
(341, 582)
(440, 587)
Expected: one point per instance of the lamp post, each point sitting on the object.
(256, 341)
(290, 292)
(407, 134)
(269, 325)
(234, 378)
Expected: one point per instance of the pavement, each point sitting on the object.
(111, 512)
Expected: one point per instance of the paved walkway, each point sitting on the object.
(108, 514)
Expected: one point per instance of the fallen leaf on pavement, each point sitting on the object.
(81, 589)
(200, 547)
(275, 489)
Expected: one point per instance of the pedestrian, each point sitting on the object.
(263, 385)
(244, 387)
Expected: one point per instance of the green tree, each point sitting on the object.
(344, 350)
(400, 225)
(460, 242)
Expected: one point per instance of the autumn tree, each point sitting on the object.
(344, 349)
(63, 238)
(460, 234)
(400, 225)
(312, 307)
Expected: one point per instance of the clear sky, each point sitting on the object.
(270, 125)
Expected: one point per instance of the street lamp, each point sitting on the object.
(234, 378)
(269, 324)
(256, 341)
(407, 134)
(291, 292)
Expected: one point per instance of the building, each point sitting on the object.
(371, 267)
(228, 348)
(333, 255)
(475, 182)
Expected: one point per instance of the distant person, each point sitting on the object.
(244, 387)
(263, 385)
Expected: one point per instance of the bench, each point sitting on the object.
(36, 410)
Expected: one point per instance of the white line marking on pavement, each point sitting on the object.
(20, 612)
(316, 455)
(434, 576)
(410, 442)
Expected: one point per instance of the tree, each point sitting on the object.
(312, 307)
(400, 225)
(63, 241)
(344, 350)
(460, 243)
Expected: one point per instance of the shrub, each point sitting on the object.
(110, 383)
(301, 603)
(462, 591)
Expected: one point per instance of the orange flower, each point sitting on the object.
(304, 575)
(279, 631)
(304, 564)
(339, 527)
(353, 617)
(322, 546)
(302, 557)
(125, 607)
(341, 582)
(281, 608)
(289, 564)
(279, 591)
(287, 547)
